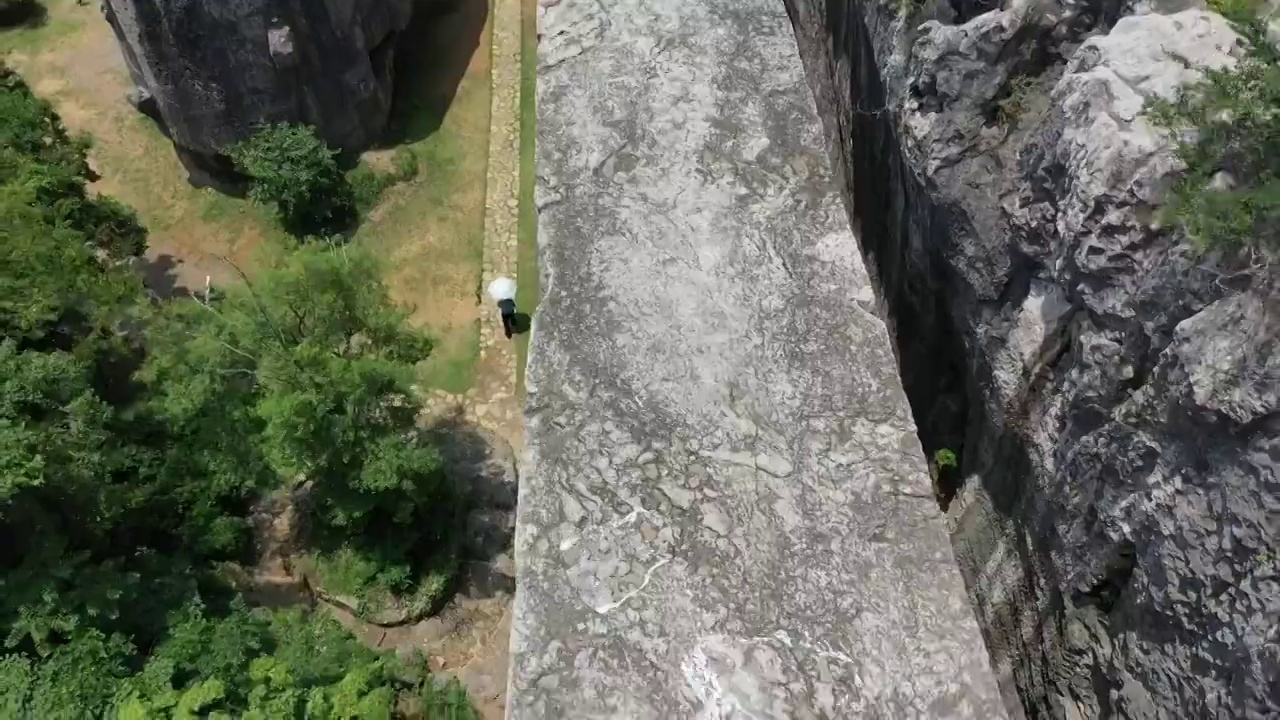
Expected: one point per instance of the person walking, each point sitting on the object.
(503, 292)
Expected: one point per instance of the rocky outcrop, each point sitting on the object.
(211, 72)
(724, 511)
(1111, 393)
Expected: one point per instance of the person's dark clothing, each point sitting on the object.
(508, 310)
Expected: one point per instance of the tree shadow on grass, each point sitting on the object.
(483, 467)
(432, 56)
(159, 275)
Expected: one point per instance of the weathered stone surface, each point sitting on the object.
(1112, 395)
(217, 70)
(724, 510)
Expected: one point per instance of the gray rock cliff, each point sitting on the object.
(724, 511)
(1112, 394)
(211, 72)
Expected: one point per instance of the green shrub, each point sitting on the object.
(348, 571)
(30, 127)
(1229, 127)
(945, 459)
(367, 185)
(406, 163)
(447, 702)
(129, 462)
(49, 169)
(292, 169)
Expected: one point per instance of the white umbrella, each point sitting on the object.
(502, 288)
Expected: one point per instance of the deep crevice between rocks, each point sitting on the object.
(910, 275)
(909, 242)
(1048, 448)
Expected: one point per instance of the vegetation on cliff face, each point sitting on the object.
(1230, 193)
(136, 436)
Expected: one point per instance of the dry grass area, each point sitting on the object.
(429, 231)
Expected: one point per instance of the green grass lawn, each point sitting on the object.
(431, 230)
(529, 289)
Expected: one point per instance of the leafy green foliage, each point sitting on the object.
(321, 365)
(406, 163)
(55, 285)
(70, 682)
(293, 170)
(242, 663)
(58, 245)
(30, 127)
(1229, 195)
(91, 526)
(945, 459)
(258, 664)
(326, 362)
(134, 439)
(447, 702)
(42, 165)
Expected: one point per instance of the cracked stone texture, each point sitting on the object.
(724, 510)
(327, 63)
(1112, 395)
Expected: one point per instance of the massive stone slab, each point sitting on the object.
(724, 510)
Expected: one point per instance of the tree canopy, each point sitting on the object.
(136, 436)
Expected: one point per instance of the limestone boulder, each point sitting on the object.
(212, 72)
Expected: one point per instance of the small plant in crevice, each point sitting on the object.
(945, 471)
(1228, 129)
(1015, 101)
(945, 460)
